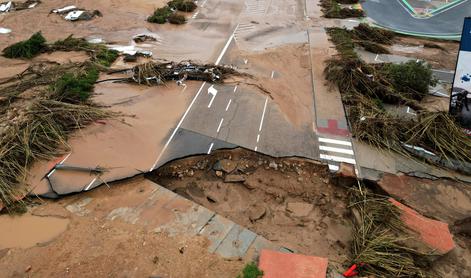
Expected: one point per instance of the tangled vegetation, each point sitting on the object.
(379, 237)
(366, 89)
(40, 107)
(26, 49)
(334, 9)
(187, 6)
(160, 15)
(37, 44)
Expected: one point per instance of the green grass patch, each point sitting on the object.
(105, 56)
(251, 270)
(75, 88)
(26, 49)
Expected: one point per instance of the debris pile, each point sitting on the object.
(379, 245)
(72, 13)
(334, 9)
(433, 136)
(169, 13)
(41, 106)
(372, 39)
(154, 73)
(18, 6)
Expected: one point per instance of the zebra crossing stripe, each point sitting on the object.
(338, 158)
(334, 168)
(334, 141)
(336, 150)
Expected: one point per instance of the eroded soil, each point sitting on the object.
(289, 201)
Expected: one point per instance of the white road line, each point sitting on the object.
(263, 115)
(333, 167)
(335, 150)
(191, 104)
(235, 88)
(333, 141)
(62, 161)
(220, 124)
(212, 91)
(338, 158)
(178, 126)
(90, 184)
(272, 74)
(256, 148)
(258, 138)
(210, 148)
(226, 46)
(228, 104)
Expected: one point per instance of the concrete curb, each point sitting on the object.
(454, 37)
(433, 12)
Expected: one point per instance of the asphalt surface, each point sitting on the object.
(392, 14)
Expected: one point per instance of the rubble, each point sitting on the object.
(73, 13)
(155, 73)
(18, 6)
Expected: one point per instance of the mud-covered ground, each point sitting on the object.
(75, 237)
(439, 54)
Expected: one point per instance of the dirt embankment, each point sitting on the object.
(289, 201)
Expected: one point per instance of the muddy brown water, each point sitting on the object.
(28, 230)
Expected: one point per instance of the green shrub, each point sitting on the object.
(251, 270)
(75, 89)
(160, 15)
(412, 78)
(26, 49)
(182, 5)
(177, 19)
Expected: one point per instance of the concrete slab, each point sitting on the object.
(257, 246)
(281, 265)
(435, 234)
(216, 230)
(236, 243)
(189, 222)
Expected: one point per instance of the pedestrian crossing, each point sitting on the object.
(243, 28)
(335, 151)
(255, 7)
